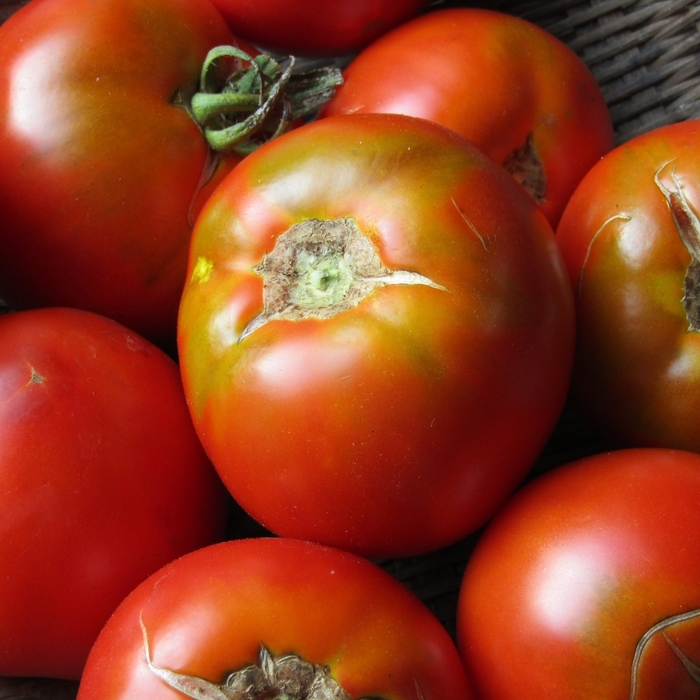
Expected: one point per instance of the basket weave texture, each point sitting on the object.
(645, 54)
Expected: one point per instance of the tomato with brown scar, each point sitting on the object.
(521, 95)
(586, 585)
(376, 334)
(273, 618)
(630, 238)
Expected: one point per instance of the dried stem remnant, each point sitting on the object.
(286, 677)
(688, 227)
(318, 269)
(525, 166)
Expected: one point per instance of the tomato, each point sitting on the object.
(315, 27)
(376, 334)
(522, 96)
(587, 584)
(631, 239)
(264, 612)
(104, 168)
(102, 481)
(99, 166)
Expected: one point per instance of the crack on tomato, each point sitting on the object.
(688, 227)
(286, 677)
(691, 667)
(469, 223)
(594, 238)
(525, 166)
(317, 269)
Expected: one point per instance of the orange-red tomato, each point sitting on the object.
(376, 334)
(102, 481)
(630, 238)
(587, 584)
(521, 95)
(101, 162)
(256, 612)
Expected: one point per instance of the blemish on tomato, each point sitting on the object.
(317, 269)
(525, 166)
(202, 270)
(469, 223)
(594, 238)
(35, 377)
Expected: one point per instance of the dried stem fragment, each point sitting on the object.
(318, 269)
(688, 227)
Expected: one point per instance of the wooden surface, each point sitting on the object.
(646, 57)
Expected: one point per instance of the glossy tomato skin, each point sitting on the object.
(497, 80)
(102, 481)
(637, 368)
(208, 614)
(586, 586)
(398, 425)
(315, 27)
(100, 165)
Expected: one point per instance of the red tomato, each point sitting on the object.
(376, 334)
(631, 241)
(315, 27)
(522, 96)
(102, 481)
(101, 162)
(263, 612)
(587, 585)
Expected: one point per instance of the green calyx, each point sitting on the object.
(244, 101)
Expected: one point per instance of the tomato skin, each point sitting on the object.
(208, 613)
(493, 78)
(575, 570)
(100, 167)
(102, 481)
(315, 27)
(399, 425)
(637, 368)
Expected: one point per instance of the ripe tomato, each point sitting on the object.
(315, 27)
(263, 612)
(102, 481)
(104, 166)
(586, 586)
(631, 241)
(376, 334)
(88, 119)
(522, 96)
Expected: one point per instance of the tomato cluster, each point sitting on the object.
(343, 296)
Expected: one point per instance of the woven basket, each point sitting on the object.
(645, 55)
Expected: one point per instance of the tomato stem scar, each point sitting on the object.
(688, 226)
(318, 269)
(286, 677)
(525, 166)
